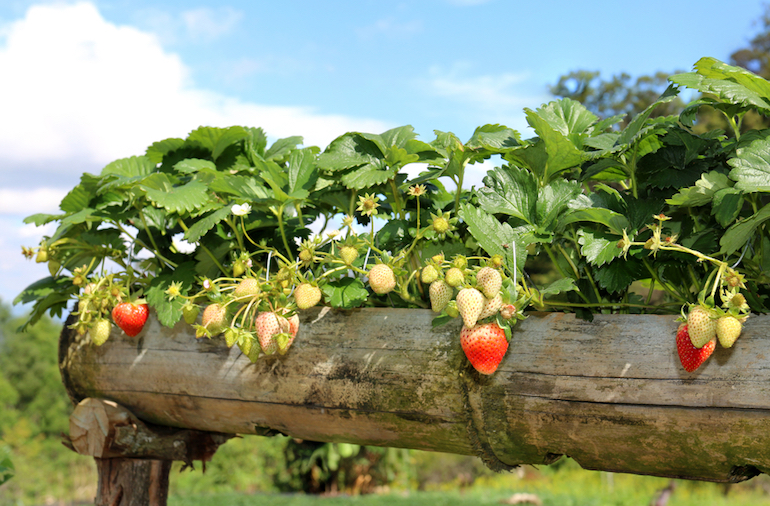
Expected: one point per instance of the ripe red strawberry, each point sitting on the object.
(701, 326)
(440, 295)
(690, 356)
(381, 279)
(489, 281)
(491, 306)
(728, 330)
(248, 287)
(100, 331)
(484, 345)
(130, 317)
(470, 304)
(268, 325)
(214, 318)
(455, 277)
(307, 295)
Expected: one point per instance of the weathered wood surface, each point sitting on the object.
(104, 429)
(610, 393)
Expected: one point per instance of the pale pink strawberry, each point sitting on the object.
(307, 295)
(491, 306)
(489, 281)
(701, 326)
(484, 345)
(470, 304)
(268, 325)
(381, 279)
(440, 295)
(214, 318)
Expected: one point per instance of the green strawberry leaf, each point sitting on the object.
(494, 237)
(302, 172)
(245, 187)
(206, 223)
(130, 167)
(192, 165)
(741, 233)
(77, 199)
(216, 140)
(727, 205)
(510, 190)
(599, 248)
(569, 118)
(493, 139)
(346, 293)
(170, 311)
(158, 150)
(618, 275)
(731, 84)
(751, 164)
(177, 199)
(282, 148)
(703, 191)
(559, 286)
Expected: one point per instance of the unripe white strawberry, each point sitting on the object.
(440, 295)
(307, 295)
(728, 330)
(248, 287)
(455, 277)
(489, 281)
(701, 326)
(470, 304)
(214, 318)
(381, 279)
(491, 306)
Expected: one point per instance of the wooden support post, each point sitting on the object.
(133, 458)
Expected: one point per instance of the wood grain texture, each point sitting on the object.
(609, 393)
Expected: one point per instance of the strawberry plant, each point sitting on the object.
(654, 217)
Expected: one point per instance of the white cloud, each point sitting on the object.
(209, 23)
(30, 201)
(391, 26)
(497, 97)
(87, 89)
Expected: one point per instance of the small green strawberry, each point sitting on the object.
(307, 295)
(484, 346)
(728, 330)
(381, 279)
(489, 281)
(455, 277)
(247, 288)
(214, 318)
(701, 326)
(100, 331)
(190, 312)
(440, 294)
(429, 274)
(470, 304)
(348, 254)
(690, 356)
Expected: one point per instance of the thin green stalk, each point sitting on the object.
(460, 178)
(399, 211)
(283, 231)
(156, 249)
(237, 233)
(657, 279)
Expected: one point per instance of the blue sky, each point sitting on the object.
(84, 83)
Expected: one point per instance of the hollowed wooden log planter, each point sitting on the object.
(610, 393)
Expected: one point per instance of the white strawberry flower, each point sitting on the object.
(241, 209)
